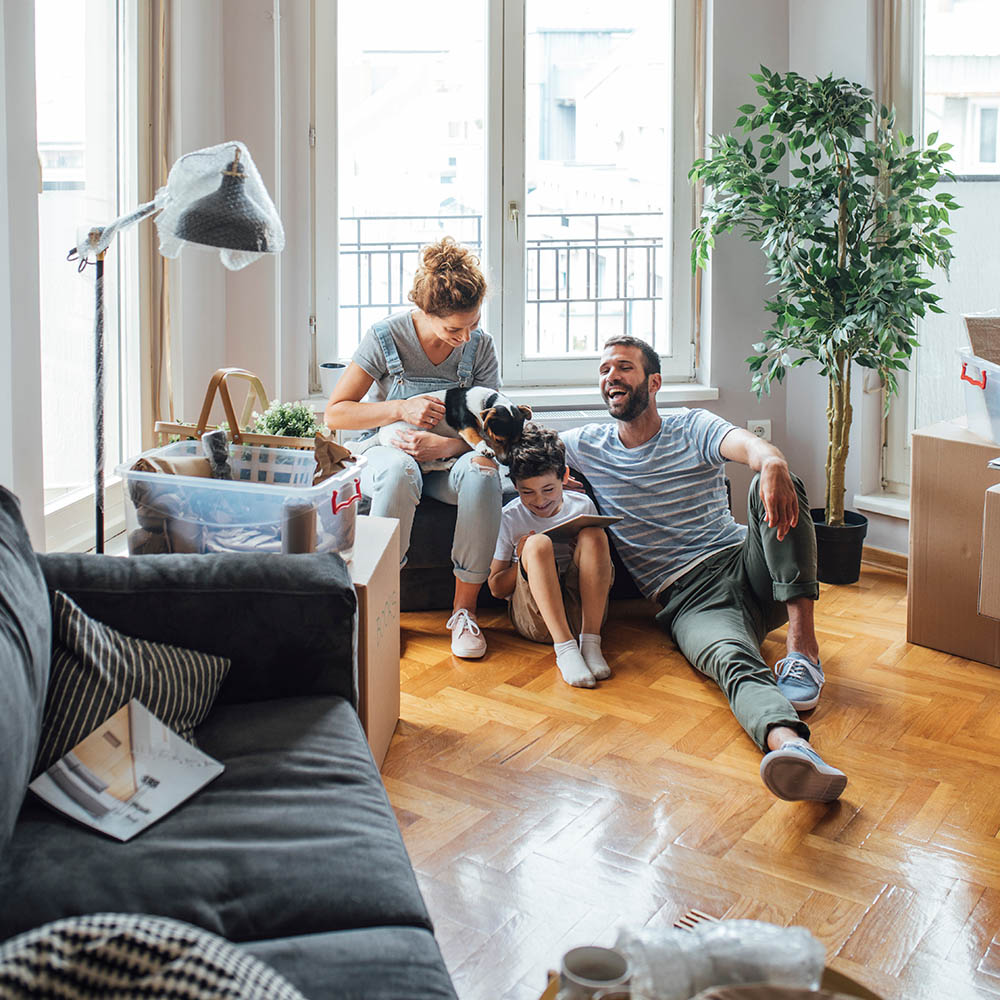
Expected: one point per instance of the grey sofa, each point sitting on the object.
(293, 852)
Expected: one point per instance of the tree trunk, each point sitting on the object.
(838, 400)
(838, 418)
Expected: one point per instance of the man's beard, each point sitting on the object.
(636, 403)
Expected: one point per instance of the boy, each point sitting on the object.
(554, 589)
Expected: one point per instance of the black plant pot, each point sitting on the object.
(838, 550)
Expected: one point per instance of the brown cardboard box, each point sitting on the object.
(375, 574)
(949, 479)
(989, 567)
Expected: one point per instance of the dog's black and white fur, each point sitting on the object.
(485, 419)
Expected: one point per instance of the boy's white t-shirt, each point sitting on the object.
(516, 521)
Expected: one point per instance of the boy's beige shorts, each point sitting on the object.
(524, 613)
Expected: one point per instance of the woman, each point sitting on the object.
(437, 345)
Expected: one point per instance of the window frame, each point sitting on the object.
(69, 520)
(888, 472)
(505, 252)
(885, 456)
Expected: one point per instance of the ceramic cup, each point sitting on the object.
(590, 971)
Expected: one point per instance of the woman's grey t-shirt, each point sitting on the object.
(416, 364)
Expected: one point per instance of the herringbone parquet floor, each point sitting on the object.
(539, 816)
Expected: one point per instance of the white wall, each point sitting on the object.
(744, 35)
(223, 66)
(197, 278)
(20, 359)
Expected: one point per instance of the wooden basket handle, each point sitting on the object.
(217, 384)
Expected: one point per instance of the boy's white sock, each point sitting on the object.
(590, 648)
(571, 664)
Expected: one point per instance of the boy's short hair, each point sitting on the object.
(540, 450)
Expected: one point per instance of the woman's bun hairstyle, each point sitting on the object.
(448, 279)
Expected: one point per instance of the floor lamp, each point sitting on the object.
(235, 215)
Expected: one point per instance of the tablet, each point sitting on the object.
(565, 530)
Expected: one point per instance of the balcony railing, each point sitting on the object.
(589, 274)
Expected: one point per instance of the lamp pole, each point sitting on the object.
(99, 405)
(94, 238)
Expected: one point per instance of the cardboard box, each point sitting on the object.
(375, 574)
(949, 480)
(989, 567)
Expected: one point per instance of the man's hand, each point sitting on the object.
(424, 446)
(777, 491)
(421, 411)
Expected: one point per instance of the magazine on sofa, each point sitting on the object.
(130, 771)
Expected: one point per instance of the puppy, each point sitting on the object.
(485, 419)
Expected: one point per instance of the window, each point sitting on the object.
(87, 177)
(540, 133)
(956, 93)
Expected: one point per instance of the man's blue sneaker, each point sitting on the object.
(800, 680)
(797, 773)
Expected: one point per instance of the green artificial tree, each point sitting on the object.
(846, 239)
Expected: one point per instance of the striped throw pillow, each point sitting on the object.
(129, 957)
(96, 670)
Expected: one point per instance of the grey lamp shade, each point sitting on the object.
(227, 217)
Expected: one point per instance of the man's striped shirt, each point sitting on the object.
(670, 491)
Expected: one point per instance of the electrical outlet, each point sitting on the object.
(760, 428)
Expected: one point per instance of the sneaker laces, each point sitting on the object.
(464, 622)
(797, 668)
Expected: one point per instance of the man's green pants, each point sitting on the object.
(720, 611)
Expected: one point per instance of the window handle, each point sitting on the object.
(514, 215)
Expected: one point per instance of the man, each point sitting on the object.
(721, 586)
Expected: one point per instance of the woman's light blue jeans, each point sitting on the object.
(395, 483)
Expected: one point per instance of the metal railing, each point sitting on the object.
(603, 275)
(591, 280)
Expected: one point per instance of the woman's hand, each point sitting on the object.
(421, 411)
(425, 447)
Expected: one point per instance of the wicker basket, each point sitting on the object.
(255, 394)
(984, 335)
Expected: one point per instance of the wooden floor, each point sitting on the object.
(539, 816)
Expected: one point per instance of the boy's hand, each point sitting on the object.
(520, 545)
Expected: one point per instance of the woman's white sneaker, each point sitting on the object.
(467, 640)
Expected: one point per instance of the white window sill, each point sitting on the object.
(586, 396)
(886, 504)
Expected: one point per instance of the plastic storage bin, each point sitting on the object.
(981, 381)
(270, 505)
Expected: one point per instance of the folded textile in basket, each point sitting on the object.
(184, 465)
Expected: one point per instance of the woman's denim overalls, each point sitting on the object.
(395, 482)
